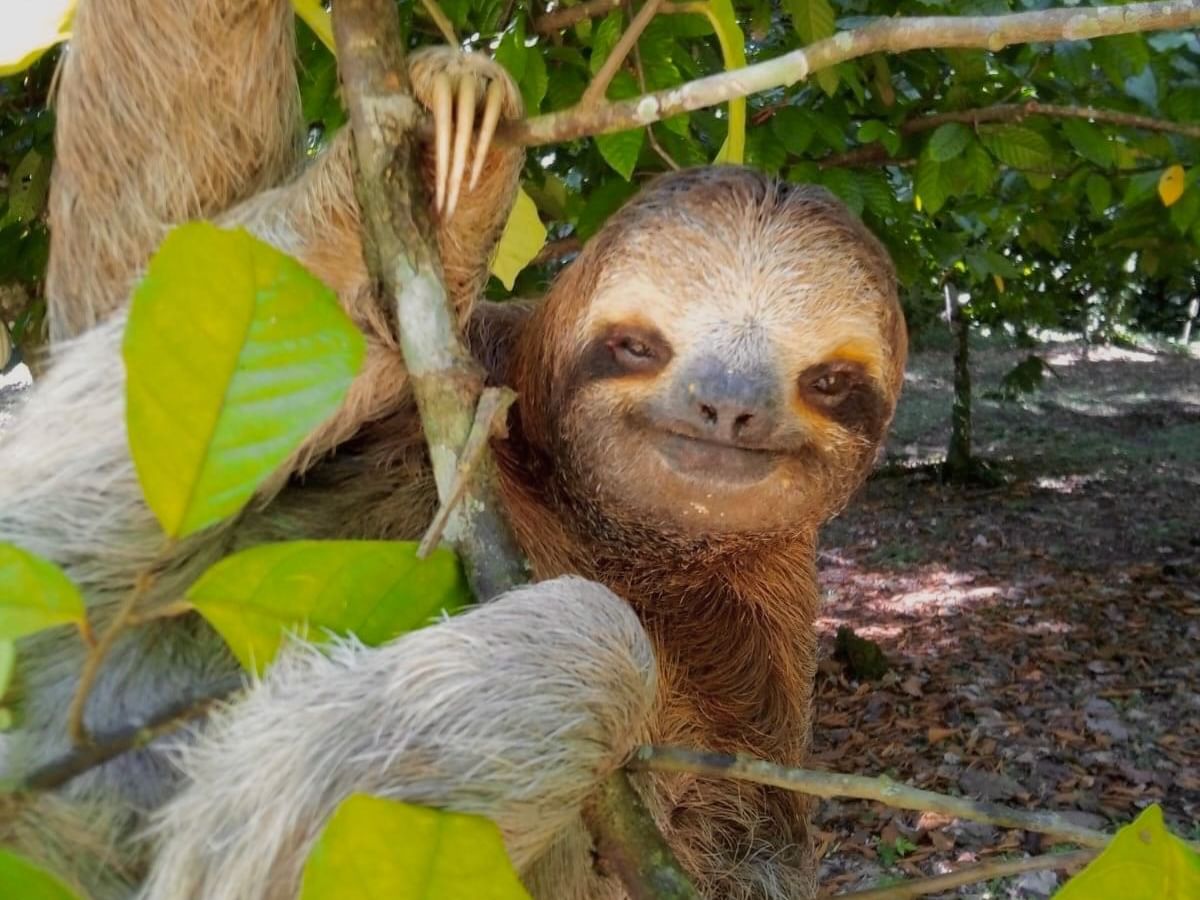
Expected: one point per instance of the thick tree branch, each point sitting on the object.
(1008, 112)
(566, 16)
(628, 41)
(446, 379)
(996, 868)
(882, 36)
(883, 790)
(384, 120)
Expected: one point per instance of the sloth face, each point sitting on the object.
(737, 364)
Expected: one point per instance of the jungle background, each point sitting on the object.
(1026, 559)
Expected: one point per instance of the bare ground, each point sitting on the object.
(1043, 634)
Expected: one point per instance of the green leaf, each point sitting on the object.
(792, 128)
(534, 82)
(765, 151)
(512, 53)
(932, 184)
(316, 17)
(21, 878)
(374, 590)
(8, 666)
(813, 20)
(524, 235)
(28, 184)
(608, 32)
(378, 849)
(949, 141)
(844, 184)
(877, 192)
(1099, 193)
(35, 595)
(978, 169)
(234, 354)
(1089, 142)
(1143, 862)
(621, 150)
(30, 29)
(1016, 146)
(874, 130)
(602, 203)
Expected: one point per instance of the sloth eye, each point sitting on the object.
(830, 385)
(634, 347)
(634, 354)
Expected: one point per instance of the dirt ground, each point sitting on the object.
(1043, 634)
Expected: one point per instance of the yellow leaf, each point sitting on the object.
(31, 27)
(317, 19)
(1170, 186)
(524, 235)
(999, 282)
(1143, 862)
(733, 50)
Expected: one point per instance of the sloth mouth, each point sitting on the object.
(713, 460)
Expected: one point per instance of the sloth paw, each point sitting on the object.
(468, 94)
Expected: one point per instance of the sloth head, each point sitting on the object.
(723, 357)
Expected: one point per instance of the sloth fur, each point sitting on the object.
(701, 388)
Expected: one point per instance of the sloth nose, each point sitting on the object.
(727, 403)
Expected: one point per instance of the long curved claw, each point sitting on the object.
(464, 125)
(487, 129)
(443, 123)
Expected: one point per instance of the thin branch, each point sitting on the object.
(1008, 112)
(566, 16)
(653, 140)
(613, 62)
(883, 790)
(553, 251)
(137, 735)
(442, 21)
(384, 120)
(627, 840)
(97, 651)
(986, 871)
(490, 416)
(896, 35)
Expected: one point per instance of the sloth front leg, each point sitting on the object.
(512, 711)
(470, 181)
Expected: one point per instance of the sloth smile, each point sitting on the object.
(697, 457)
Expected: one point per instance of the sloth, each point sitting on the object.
(703, 386)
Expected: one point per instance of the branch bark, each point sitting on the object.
(881, 36)
(566, 16)
(384, 120)
(986, 871)
(628, 41)
(883, 790)
(446, 380)
(1008, 112)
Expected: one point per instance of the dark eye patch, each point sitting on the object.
(844, 392)
(623, 350)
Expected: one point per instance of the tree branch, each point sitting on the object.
(1008, 112)
(612, 64)
(881, 36)
(566, 16)
(384, 121)
(446, 380)
(133, 736)
(883, 790)
(986, 871)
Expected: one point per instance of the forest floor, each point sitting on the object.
(1043, 634)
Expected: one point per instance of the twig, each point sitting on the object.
(446, 379)
(615, 59)
(442, 21)
(896, 35)
(97, 650)
(566, 16)
(986, 871)
(167, 611)
(1009, 112)
(654, 144)
(884, 790)
(558, 249)
(627, 840)
(134, 736)
(489, 420)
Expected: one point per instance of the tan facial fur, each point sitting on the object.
(755, 290)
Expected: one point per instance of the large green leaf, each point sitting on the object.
(1089, 141)
(524, 235)
(932, 184)
(31, 27)
(19, 878)
(378, 849)
(34, 595)
(1143, 862)
(949, 141)
(1099, 193)
(1016, 146)
(234, 354)
(374, 590)
(813, 20)
(621, 150)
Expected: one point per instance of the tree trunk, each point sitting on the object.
(959, 464)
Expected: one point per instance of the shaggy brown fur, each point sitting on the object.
(608, 473)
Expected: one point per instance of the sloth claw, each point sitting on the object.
(454, 124)
(443, 125)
